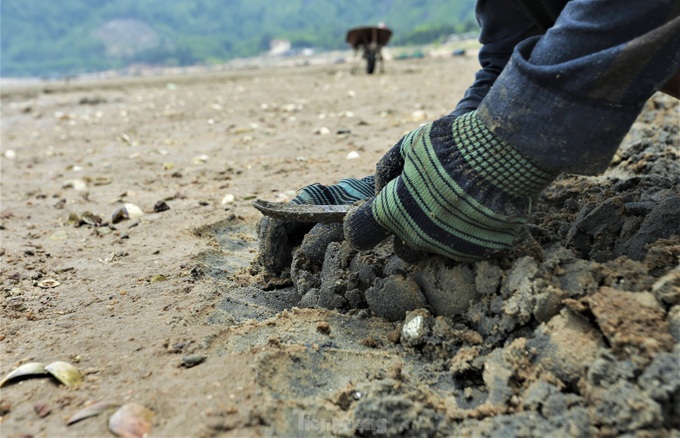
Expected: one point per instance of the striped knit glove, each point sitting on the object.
(346, 192)
(457, 191)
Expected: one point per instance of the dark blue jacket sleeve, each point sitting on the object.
(503, 26)
(566, 99)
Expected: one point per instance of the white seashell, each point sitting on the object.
(418, 116)
(133, 211)
(131, 420)
(27, 369)
(77, 184)
(228, 199)
(91, 411)
(47, 284)
(353, 155)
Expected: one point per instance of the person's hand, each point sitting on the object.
(277, 239)
(345, 192)
(451, 188)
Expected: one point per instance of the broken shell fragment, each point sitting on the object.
(91, 411)
(49, 283)
(25, 370)
(126, 211)
(228, 199)
(65, 373)
(77, 184)
(90, 218)
(101, 180)
(200, 159)
(132, 420)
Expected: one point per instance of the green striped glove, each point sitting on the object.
(457, 190)
(345, 192)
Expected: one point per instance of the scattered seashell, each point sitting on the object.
(353, 155)
(10, 154)
(200, 159)
(118, 215)
(126, 138)
(322, 131)
(103, 231)
(228, 199)
(65, 373)
(78, 185)
(59, 235)
(47, 284)
(101, 180)
(25, 370)
(133, 211)
(73, 219)
(132, 420)
(159, 277)
(91, 411)
(90, 218)
(126, 211)
(418, 116)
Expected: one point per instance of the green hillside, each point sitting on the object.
(45, 38)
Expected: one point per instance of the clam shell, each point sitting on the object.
(132, 420)
(48, 283)
(65, 373)
(126, 211)
(27, 369)
(91, 411)
(133, 211)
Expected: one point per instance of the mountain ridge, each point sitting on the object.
(77, 36)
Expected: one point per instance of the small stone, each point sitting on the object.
(160, 206)
(416, 328)
(192, 360)
(323, 328)
(42, 409)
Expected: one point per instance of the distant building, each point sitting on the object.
(279, 47)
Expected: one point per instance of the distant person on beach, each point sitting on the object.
(561, 84)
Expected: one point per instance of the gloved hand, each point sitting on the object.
(450, 188)
(277, 239)
(346, 192)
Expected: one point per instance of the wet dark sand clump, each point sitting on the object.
(575, 333)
